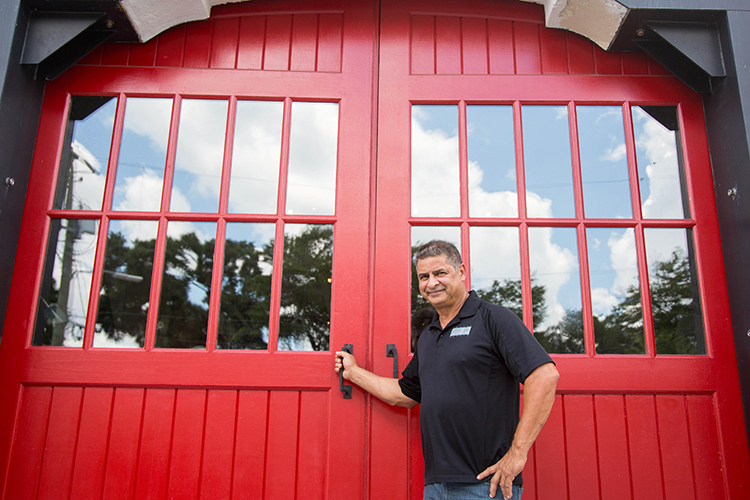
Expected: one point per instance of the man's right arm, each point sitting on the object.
(384, 388)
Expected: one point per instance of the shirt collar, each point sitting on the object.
(470, 308)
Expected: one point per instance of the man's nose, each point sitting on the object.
(432, 281)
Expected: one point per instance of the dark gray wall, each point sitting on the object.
(20, 104)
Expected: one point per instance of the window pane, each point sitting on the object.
(256, 157)
(305, 315)
(313, 151)
(675, 293)
(492, 161)
(615, 291)
(604, 162)
(186, 285)
(434, 161)
(421, 310)
(556, 289)
(659, 159)
(143, 154)
(547, 161)
(246, 286)
(126, 284)
(199, 156)
(85, 156)
(66, 283)
(496, 266)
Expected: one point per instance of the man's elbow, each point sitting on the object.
(547, 375)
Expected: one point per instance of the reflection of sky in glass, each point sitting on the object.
(604, 162)
(658, 167)
(64, 319)
(199, 156)
(492, 161)
(495, 256)
(126, 284)
(613, 267)
(143, 153)
(422, 234)
(90, 145)
(553, 256)
(256, 157)
(313, 147)
(547, 160)
(434, 161)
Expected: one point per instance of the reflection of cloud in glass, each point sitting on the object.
(613, 270)
(495, 256)
(142, 192)
(88, 188)
(146, 117)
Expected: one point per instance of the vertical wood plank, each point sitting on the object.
(704, 436)
(580, 55)
(550, 455)
(156, 436)
(614, 469)
(197, 44)
(634, 63)
(529, 475)
(580, 439)
(675, 447)
(171, 47)
(502, 55)
(607, 63)
(656, 69)
(554, 53)
(218, 445)
(224, 39)
(313, 444)
(304, 42)
(250, 445)
(187, 439)
(422, 45)
(447, 45)
(415, 453)
(251, 42)
(330, 32)
(122, 455)
(28, 448)
(91, 450)
(527, 50)
(59, 448)
(115, 54)
(643, 438)
(278, 40)
(474, 46)
(281, 451)
(144, 54)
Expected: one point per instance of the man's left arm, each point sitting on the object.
(538, 397)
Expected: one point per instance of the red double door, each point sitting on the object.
(299, 139)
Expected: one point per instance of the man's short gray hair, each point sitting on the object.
(435, 248)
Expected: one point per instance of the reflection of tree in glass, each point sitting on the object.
(306, 287)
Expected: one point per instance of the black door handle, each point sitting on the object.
(392, 352)
(345, 389)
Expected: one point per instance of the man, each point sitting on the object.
(465, 373)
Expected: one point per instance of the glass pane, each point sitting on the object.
(604, 162)
(305, 315)
(66, 283)
(421, 310)
(492, 161)
(143, 154)
(434, 161)
(659, 159)
(246, 286)
(615, 291)
(675, 293)
(556, 289)
(83, 166)
(126, 284)
(496, 266)
(186, 285)
(313, 147)
(547, 162)
(256, 157)
(199, 156)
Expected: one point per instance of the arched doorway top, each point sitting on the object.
(598, 20)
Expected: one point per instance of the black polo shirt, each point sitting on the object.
(466, 378)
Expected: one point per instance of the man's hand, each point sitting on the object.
(504, 472)
(346, 362)
(384, 388)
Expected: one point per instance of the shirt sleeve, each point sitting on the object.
(409, 381)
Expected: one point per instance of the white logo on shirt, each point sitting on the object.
(460, 330)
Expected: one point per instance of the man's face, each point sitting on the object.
(440, 283)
